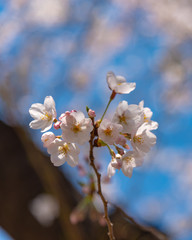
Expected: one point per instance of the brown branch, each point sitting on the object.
(99, 191)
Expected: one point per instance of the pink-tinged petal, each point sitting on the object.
(111, 80)
(37, 110)
(79, 116)
(68, 121)
(91, 113)
(57, 125)
(49, 103)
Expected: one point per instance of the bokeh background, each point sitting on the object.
(65, 48)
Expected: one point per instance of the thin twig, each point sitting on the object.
(99, 191)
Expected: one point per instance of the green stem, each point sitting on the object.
(110, 150)
(106, 109)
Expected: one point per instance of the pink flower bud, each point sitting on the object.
(73, 110)
(57, 125)
(47, 138)
(62, 116)
(67, 113)
(91, 113)
(126, 146)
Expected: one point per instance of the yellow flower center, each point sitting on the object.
(127, 159)
(108, 131)
(76, 128)
(122, 119)
(47, 116)
(145, 118)
(138, 139)
(63, 149)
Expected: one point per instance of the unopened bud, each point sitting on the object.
(57, 125)
(91, 113)
(62, 116)
(47, 138)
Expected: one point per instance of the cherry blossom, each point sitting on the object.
(116, 163)
(127, 162)
(109, 131)
(143, 139)
(118, 84)
(130, 160)
(152, 125)
(44, 114)
(129, 116)
(47, 138)
(61, 152)
(76, 128)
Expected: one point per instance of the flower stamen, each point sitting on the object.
(63, 149)
(138, 139)
(76, 128)
(108, 131)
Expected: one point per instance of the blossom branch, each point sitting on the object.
(99, 191)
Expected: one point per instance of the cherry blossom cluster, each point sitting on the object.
(128, 131)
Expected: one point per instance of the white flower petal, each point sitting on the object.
(111, 80)
(45, 114)
(46, 126)
(76, 128)
(49, 103)
(47, 138)
(153, 125)
(120, 79)
(125, 88)
(37, 110)
(36, 124)
(119, 84)
(53, 147)
(79, 116)
(72, 160)
(109, 131)
(127, 169)
(110, 170)
(56, 160)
